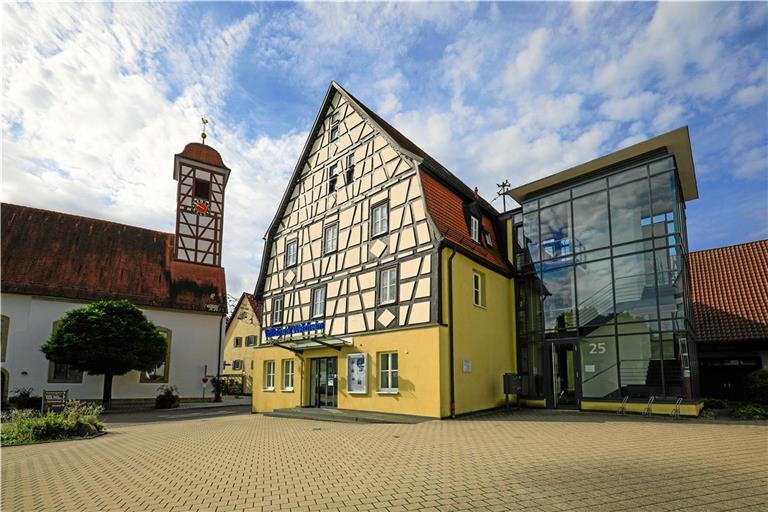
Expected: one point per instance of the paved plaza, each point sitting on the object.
(231, 460)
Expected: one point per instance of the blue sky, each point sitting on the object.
(98, 97)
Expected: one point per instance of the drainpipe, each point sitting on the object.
(450, 332)
(217, 389)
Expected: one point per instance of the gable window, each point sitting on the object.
(287, 374)
(478, 289)
(160, 372)
(202, 189)
(332, 177)
(380, 219)
(237, 365)
(350, 168)
(318, 302)
(388, 372)
(330, 238)
(238, 341)
(388, 286)
(269, 375)
(474, 229)
(488, 239)
(250, 341)
(335, 127)
(291, 250)
(277, 311)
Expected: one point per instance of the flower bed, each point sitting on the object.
(77, 420)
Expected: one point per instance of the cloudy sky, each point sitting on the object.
(98, 98)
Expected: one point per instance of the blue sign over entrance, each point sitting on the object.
(274, 332)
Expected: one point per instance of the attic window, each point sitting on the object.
(332, 175)
(202, 189)
(474, 229)
(350, 168)
(334, 127)
(488, 239)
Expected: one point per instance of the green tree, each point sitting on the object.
(107, 338)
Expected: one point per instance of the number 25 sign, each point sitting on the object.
(597, 348)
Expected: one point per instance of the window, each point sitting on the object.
(488, 239)
(250, 341)
(388, 372)
(388, 286)
(277, 311)
(350, 168)
(269, 375)
(334, 127)
(237, 365)
(287, 374)
(63, 373)
(474, 230)
(291, 249)
(318, 302)
(379, 219)
(238, 341)
(478, 289)
(160, 372)
(330, 238)
(332, 177)
(202, 189)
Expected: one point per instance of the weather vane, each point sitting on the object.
(204, 120)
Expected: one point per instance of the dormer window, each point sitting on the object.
(332, 177)
(474, 229)
(350, 168)
(488, 239)
(202, 189)
(335, 127)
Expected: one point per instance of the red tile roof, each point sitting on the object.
(202, 153)
(730, 292)
(61, 255)
(447, 208)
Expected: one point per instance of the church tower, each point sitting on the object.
(202, 178)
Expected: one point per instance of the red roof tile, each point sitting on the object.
(202, 153)
(61, 255)
(730, 292)
(447, 208)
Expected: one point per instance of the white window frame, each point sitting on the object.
(334, 135)
(488, 238)
(474, 229)
(269, 375)
(388, 283)
(478, 291)
(277, 312)
(287, 368)
(385, 376)
(380, 226)
(333, 177)
(350, 171)
(237, 365)
(291, 256)
(334, 229)
(250, 340)
(314, 313)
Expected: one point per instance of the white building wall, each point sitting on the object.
(194, 343)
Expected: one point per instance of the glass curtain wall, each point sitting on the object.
(603, 263)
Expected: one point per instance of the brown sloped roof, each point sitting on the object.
(202, 153)
(729, 288)
(255, 306)
(61, 255)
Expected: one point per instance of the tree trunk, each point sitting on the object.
(106, 400)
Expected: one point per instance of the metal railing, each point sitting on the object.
(649, 406)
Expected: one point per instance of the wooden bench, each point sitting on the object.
(54, 400)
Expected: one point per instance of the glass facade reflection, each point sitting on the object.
(601, 266)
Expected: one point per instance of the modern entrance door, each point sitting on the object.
(323, 383)
(566, 381)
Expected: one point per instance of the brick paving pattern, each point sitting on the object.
(529, 461)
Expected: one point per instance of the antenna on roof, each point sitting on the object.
(204, 120)
(504, 187)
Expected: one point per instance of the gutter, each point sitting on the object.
(217, 390)
(450, 333)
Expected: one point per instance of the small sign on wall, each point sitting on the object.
(467, 366)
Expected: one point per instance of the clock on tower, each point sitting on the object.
(202, 178)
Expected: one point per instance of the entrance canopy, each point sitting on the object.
(299, 345)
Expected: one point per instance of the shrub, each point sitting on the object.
(756, 386)
(76, 420)
(167, 397)
(751, 412)
(23, 399)
(708, 414)
(715, 403)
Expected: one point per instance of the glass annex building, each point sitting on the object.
(603, 302)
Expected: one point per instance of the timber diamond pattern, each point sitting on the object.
(385, 318)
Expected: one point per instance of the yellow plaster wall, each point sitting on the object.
(249, 326)
(483, 335)
(419, 357)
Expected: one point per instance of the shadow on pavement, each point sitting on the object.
(123, 418)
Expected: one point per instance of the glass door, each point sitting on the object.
(565, 376)
(324, 382)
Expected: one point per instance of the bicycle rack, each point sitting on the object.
(649, 406)
(623, 407)
(676, 411)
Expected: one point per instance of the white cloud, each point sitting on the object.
(529, 60)
(630, 108)
(751, 95)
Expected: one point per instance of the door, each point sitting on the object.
(566, 383)
(324, 382)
